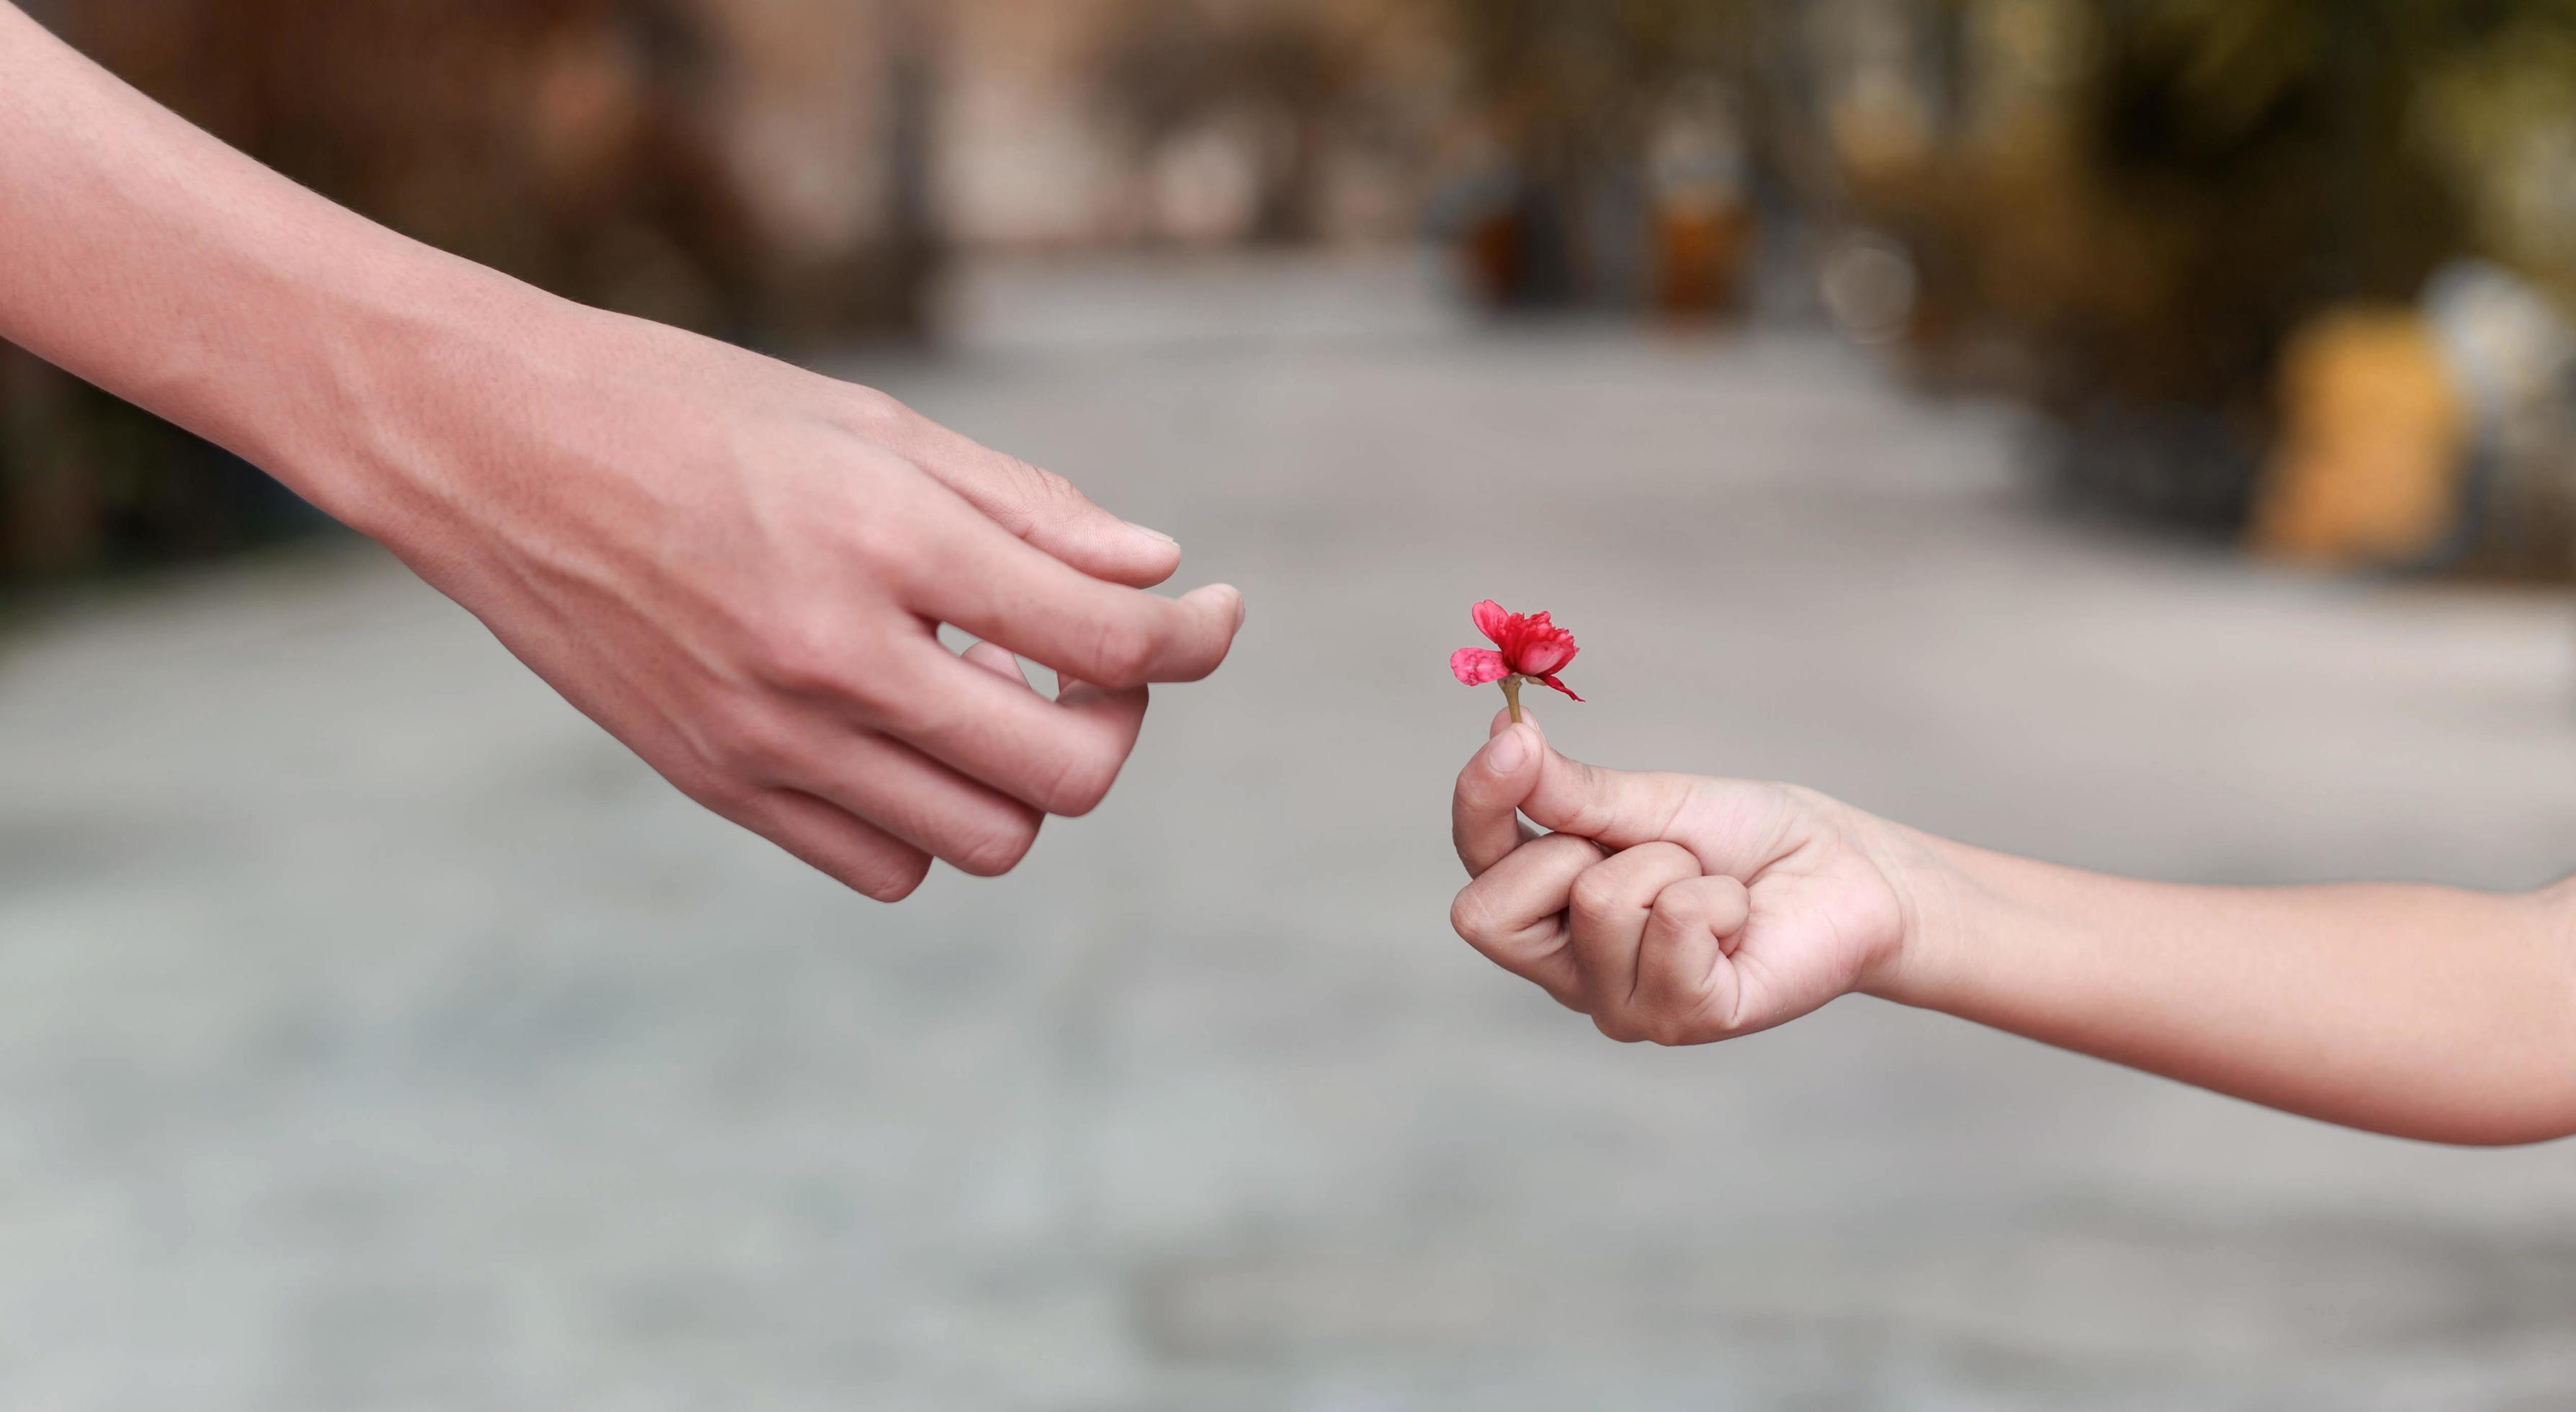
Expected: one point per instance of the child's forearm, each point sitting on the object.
(2425, 1012)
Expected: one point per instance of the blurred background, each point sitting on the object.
(2135, 433)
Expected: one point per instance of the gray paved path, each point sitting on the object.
(375, 1035)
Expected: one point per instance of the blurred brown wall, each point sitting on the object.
(1069, 122)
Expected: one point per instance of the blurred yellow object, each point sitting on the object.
(2374, 435)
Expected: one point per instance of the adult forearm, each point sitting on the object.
(2421, 1011)
(145, 256)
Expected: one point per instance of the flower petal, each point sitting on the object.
(1475, 666)
(1551, 681)
(1492, 621)
(1540, 653)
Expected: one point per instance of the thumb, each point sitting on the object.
(1482, 821)
(1042, 508)
(1612, 807)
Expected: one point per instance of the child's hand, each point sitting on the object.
(1670, 907)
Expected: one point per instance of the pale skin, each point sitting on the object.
(735, 566)
(1682, 910)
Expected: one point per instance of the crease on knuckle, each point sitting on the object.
(1020, 497)
(1596, 894)
(997, 846)
(895, 884)
(1080, 782)
(1677, 911)
(1121, 653)
(1679, 794)
(1472, 918)
(1052, 499)
(1593, 812)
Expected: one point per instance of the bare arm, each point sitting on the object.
(733, 565)
(1683, 909)
(2428, 1012)
(148, 258)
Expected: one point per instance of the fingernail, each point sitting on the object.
(1508, 751)
(1151, 533)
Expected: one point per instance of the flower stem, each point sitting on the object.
(1512, 694)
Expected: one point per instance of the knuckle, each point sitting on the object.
(752, 747)
(797, 655)
(1670, 1031)
(1590, 808)
(1677, 911)
(1051, 496)
(1020, 497)
(891, 550)
(1082, 781)
(708, 785)
(1579, 853)
(1618, 1027)
(896, 883)
(1472, 918)
(893, 518)
(1121, 653)
(998, 846)
(1595, 894)
(873, 414)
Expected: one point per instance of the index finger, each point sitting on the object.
(1484, 818)
(1035, 505)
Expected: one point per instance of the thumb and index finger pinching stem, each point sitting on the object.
(1519, 771)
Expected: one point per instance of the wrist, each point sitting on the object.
(370, 392)
(1933, 893)
(154, 262)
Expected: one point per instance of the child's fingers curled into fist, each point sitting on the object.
(1667, 907)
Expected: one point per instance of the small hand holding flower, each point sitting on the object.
(1671, 908)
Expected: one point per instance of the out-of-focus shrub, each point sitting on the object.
(2129, 212)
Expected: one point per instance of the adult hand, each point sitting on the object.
(738, 568)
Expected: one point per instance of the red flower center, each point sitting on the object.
(1525, 645)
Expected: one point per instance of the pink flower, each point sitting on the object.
(1524, 646)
